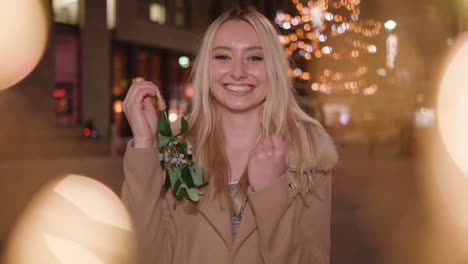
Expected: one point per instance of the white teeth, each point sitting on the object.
(238, 88)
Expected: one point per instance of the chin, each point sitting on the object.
(241, 108)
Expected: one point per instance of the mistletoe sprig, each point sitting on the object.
(176, 156)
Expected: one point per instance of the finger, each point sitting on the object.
(144, 93)
(268, 143)
(147, 104)
(277, 143)
(140, 85)
(137, 99)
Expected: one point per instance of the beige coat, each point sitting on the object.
(282, 223)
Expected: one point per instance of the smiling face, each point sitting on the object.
(238, 75)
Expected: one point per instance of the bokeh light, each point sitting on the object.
(73, 220)
(118, 106)
(445, 166)
(390, 24)
(24, 31)
(173, 117)
(453, 105)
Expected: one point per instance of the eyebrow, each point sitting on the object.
(227, 48)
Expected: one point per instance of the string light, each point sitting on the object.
(311, 33)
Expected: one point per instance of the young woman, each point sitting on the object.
(268, 164)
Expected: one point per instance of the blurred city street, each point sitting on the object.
(374, 199)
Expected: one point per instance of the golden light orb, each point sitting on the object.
(23, 33)
(73, 220)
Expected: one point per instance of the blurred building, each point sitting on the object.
(72, 100)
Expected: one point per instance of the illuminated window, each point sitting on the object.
(65, 11)
(180, 19)
(157, 11)
(111, 14)
(180, 13)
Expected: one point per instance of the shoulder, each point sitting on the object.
(317, 151)
(311, 164)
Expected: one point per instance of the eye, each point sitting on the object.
(221, 57)
(255, 58)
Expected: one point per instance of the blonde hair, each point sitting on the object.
(280, 112)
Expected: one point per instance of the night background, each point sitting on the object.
(381, 76)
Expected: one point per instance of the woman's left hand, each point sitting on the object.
(267, 162)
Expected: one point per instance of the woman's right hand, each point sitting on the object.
(141, 114)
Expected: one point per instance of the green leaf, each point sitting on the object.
(167, 185)
(193, 194)
(183, 125)
(164, 127)
(174, 175)
(176, 186)
(163, 140)
(187, 177)
(197, 175)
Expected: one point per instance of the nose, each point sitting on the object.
(238, 70)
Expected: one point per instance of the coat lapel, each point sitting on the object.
(247, 226)
(219, 218)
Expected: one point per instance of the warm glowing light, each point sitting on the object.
(390, 24)
(67, 250)
(73, 220)
(381, 72)
(23, 33)
(453, 106)
(173, 117)
(189, 91)
(184, 61)
(138, 79)
(305, 76)
(313, 23)
(392, 50)
(445, 168)
(372, 48)
(293, 37)
(118, 106)
(315, 86)
(301, 45)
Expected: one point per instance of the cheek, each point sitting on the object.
(216, 72)
(262, 76)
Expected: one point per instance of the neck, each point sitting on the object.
(240, 130)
